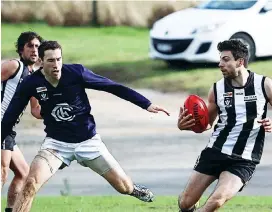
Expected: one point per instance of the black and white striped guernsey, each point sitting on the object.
(237, 132)
(9, 87)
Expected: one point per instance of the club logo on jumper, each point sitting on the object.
(251, 98)
(228, 94)
(42, 92)
(228, 99)
(62, 112)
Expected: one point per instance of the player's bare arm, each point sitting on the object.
(35, 108)
(268, 90)
(212, 108)
(8, 69)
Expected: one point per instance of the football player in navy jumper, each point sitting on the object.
(69, 126)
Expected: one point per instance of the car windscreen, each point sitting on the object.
(227, 5)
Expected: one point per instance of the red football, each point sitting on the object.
(197, 107)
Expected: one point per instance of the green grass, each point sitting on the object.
(128, 204)
(121, 53)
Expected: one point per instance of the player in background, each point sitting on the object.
(70, 128)
(236, 144)
(13, 73)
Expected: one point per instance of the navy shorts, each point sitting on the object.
(9, 142)
(213, 162)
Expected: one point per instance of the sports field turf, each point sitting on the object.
(129, 204)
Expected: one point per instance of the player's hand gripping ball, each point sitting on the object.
(197, 107)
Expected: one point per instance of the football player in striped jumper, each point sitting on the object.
(13, 73)
(235, 147)
(70, 127)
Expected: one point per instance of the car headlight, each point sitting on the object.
(207, 28)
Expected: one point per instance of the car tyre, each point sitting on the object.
(246, 39)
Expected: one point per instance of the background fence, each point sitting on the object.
(78, 13)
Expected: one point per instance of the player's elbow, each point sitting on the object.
(209, 126)
(212, 120)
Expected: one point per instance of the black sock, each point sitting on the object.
(188, 210)
(8, 210)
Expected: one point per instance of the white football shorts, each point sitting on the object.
(91, 153)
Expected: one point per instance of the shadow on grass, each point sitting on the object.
(191, 66)
(155, 74)
(133, 71)
(129, 72)
(264, 58)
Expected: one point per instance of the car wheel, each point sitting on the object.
(247, 40)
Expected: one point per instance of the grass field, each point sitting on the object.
(121, 53)
(128, 204)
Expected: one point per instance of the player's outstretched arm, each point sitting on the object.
(267, 123)
(97, 82)
(155, 109)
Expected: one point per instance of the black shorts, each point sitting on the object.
(213, 162)
(9, 142)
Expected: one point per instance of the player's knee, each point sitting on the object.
(30, 186)
(185, 201)
(22, 173)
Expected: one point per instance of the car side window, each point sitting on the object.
(267, 7)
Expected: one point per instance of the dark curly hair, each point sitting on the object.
(48, 45)
(237, 48)
(24, 38)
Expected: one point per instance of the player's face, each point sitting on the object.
(30, 51)
(228, 65)
(52, 63)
